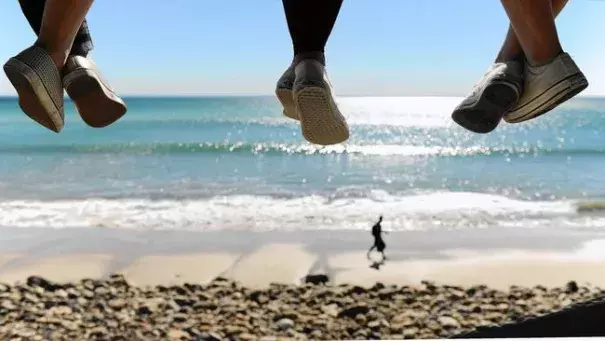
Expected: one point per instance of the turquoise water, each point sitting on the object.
(236, 162)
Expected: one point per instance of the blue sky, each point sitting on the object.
(378, 48)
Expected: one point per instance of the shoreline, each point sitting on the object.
(497, 259)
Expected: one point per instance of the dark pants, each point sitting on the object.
(310, 23)
(33, 11)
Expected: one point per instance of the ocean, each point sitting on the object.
(236, 163)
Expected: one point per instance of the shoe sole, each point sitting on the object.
(34, 99)
(286, 98)
(318, 118)
(552, 97)
(484, 116)
(94, 104)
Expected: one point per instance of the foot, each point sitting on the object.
(96, 102)
(546, 87)
(283, 91)
(321, 120)
(37, 80)
(491, 98)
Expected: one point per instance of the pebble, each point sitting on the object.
(285, 324)
(223, 310)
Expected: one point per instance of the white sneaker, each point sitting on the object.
(546, 87)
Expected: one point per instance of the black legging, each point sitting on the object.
(33, 11)
(310, 23)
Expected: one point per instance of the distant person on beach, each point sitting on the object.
(531, 74)
(379, 243)
(59, 60)
(304, 89)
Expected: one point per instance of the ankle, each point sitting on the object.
(508, 57)
(543, 59)
(315, 55)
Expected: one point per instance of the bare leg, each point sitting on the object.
(64, 34)
(534, 25)
(523, 83)
(551, 76)
(34, 10)
(36, 72)
(511, 48)
(60, 23)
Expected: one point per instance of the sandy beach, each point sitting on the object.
(256, 259)
(425, 289)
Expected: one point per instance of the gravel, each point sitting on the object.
(113, 309)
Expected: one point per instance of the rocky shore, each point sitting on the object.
(113, 309)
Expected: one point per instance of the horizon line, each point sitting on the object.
(139, 95)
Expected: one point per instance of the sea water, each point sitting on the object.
(207, 163)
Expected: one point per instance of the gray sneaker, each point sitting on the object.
(97, 103)
(320, 119)
(284, 94)
(495, 94)
(546, 87)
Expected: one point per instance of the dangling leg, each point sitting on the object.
(94, 98)
(511, 49)
(36, 72)
(551, 75)
(501, 87)
(303, 89)
(34, 10)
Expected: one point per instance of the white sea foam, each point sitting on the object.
(447, 210)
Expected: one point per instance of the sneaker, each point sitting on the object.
(321, 120)
(495, 94)
(546, 87)
(38, 83)
(96, 102)
(284, 94)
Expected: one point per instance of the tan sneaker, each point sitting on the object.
(321, 120)
(283, 91)
(96, 102)
(546, 87)
(38, 83)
